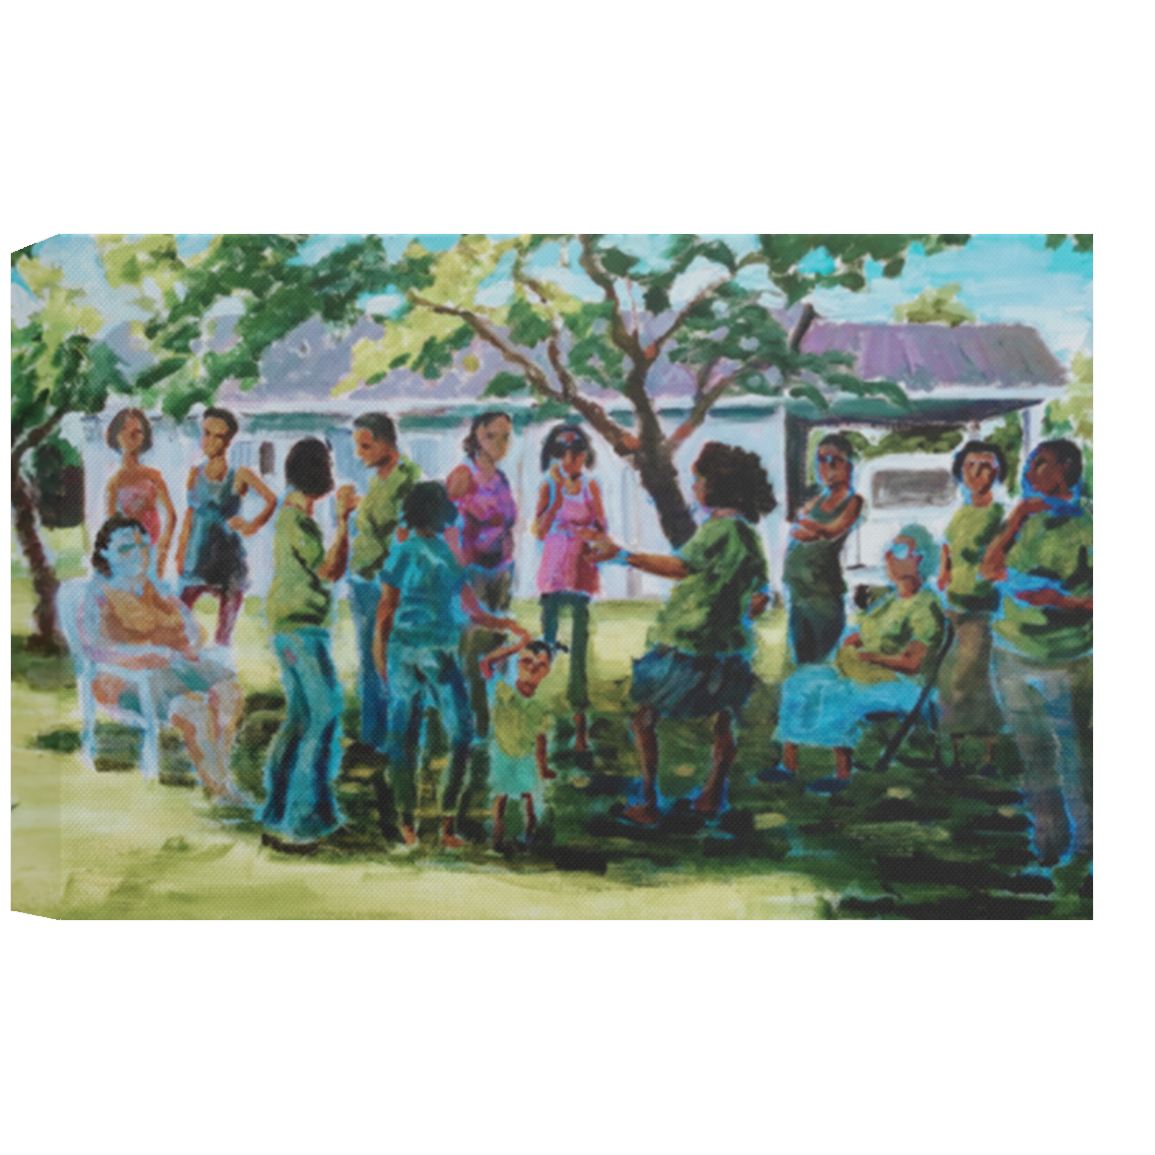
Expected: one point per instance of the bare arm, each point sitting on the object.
(599, 508)
(494, 656)
(111, 493)
(186, 527)
(169, 523)
(245, 480)
(908, 662)
(386, 610)
(459, 483)
(758, 604)
(944, 567)
(477, 613)
(333, 567)
(546, 510)
(843, 522)
(660, 565)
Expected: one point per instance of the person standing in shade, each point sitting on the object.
(812, 574)
(488, 514)
(423, 588)
(379, 513)
(210, 556)
(1043, 563)
(137, 491)
(965, 693)
(569, 507)
(300, 806)
(701, 645)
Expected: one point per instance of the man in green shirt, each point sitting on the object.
(378, 515)
(1042, 561)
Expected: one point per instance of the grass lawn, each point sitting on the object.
(105, 844)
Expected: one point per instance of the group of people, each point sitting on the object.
(429, 568)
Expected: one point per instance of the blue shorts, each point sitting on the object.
(681, 685)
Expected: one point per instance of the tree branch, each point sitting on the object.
(800, 329)
(38, 435)
(481, 327)
(680, 319)
(628, 342)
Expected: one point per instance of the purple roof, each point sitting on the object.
(922, 356)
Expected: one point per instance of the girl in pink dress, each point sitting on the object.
(136, 491)
(568, 506)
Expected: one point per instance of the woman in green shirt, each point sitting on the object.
(965, 693)
(1043, 564)
(300, 806)
(699, 664)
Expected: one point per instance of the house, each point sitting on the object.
(962, 378)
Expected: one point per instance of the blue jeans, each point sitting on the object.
(364, 597)
(305, 756)
(421, 676)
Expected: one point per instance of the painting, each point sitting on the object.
(570, 576)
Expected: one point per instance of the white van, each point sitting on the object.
(899, 489)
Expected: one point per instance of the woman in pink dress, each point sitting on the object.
(488, 514)
(135, 491)
(568, 507)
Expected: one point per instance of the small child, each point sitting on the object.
(519, 759)
(416, 652)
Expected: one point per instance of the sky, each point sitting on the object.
(1009, 278)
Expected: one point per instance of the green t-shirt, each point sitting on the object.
(518, 720)
(1050, 552)
(378, 516)
(297, 598)
(971, 530)
(888, 628)
(706, 610)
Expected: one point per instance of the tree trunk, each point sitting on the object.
(46, 637)
(659, 477)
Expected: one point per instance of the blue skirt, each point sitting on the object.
(681, 685)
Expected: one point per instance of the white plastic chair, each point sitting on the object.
(70, 600)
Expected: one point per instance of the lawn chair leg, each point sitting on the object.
(893, 745)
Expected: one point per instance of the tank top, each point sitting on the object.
(567, 563)
(814, 568)
(488, 546)
(216, 556)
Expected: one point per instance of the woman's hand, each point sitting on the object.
(1042, 597)
(854, 641)
(600, 545)
(347, 502)
(801, 533)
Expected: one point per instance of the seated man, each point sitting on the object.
(875, 669)
(128, 624)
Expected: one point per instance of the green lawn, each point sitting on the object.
(108, 845)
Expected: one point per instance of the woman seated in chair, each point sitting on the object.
(876, 669)
(127, 624)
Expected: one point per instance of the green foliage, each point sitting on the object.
(935, 306)
(1073, 414)
(1008, 436)
(1081, 242)
(505, 385)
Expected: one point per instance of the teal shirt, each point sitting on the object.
(428, 579)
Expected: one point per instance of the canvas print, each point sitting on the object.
(552, 576)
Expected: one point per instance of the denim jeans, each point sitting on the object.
(421, 676)
(305, 756)
(364, 597)
(1038, 703)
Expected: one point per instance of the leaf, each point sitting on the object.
(656, 299)
(504, 385)
(526, 326)
(158, 372)
(810, 393)
(617, 263)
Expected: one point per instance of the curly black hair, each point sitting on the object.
(309, 467)
(979, 447)
(112, 434)
(735, 479)
(104, 538)
(563, 437)
(427, 507)
(471, 445)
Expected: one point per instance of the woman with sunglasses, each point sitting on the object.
(812, 574)
(875, 670)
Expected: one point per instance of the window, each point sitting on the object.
(892, 488)
(268, 458)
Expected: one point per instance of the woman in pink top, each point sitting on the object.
(568, 506)
(136, 491)
(488, 514)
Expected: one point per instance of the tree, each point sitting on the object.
(711, 306)
(57, 369)
(933, 306)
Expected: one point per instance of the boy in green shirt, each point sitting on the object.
(378, 515)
